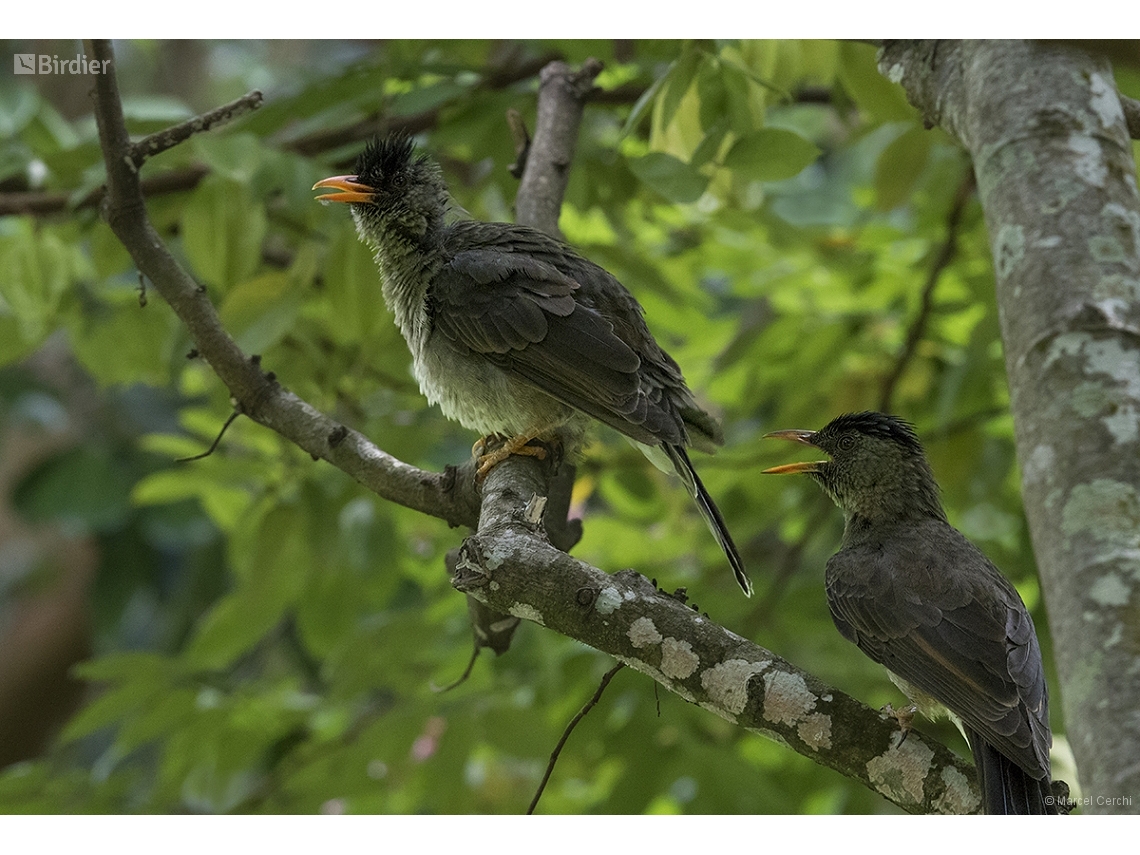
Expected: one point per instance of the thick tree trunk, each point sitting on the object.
(1057, 181)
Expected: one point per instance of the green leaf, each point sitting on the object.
(674, 179)
(138, 678)
(770, 154)
(271, 567)
(224, 503)
(233, 626)
(83, 486)
(712, 93)
(900, 165)
(18, 104)
(38, 268)
(12, 342)
(125, 343)
(739, 100)
(222, 231)
(234, 156)
(648, 99)
(858, 71)
(259, 311)
(352, 289)
(678, 80)
(708, 148)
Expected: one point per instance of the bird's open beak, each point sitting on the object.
(347, 187)
(804, 436)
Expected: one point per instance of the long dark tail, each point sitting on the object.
(1006, 787)
(709, 511)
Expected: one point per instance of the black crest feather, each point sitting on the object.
(384, 157)
(878, 425)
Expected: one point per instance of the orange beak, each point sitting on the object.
(802, 436)
(347, 187)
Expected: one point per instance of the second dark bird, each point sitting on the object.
(515, 334)
(916, 596)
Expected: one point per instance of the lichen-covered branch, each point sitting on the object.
(509, 566)
(1057, 180)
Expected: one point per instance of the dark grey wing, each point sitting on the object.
(522, 313)
(966, 640)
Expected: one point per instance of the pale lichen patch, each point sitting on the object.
(1009, 249)
(959, 796)
(900, 771)
(1105, 101)
(1040, 464)
(643, 633)
(1088, 163)
(787, 699)
(1106, 510)
(527, 612)
(1109, 590)
(815, 731)
(1124, 424)
(608, 600)
(727, 682)
(678, 660)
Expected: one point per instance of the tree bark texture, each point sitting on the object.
(1057, 180)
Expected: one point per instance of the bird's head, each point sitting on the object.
(877, 469)
(392, 190)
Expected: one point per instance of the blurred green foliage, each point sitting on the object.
(268, 634)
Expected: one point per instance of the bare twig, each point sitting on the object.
(157, 143)
(941, 261)
(475, 648)
(590, 704)
(214, 445)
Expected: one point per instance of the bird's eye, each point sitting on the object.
(846, 442)
(399, 180)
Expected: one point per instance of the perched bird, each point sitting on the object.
(513, 333)
(919, 598)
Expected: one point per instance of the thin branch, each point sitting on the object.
(590, 704)
(449, 495)
(214, 445)
(159, 142)
(941, 261)
(561, 99)
(43, 203)
(475, 648)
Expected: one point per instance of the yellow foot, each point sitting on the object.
(904, 717)
(515, 445)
